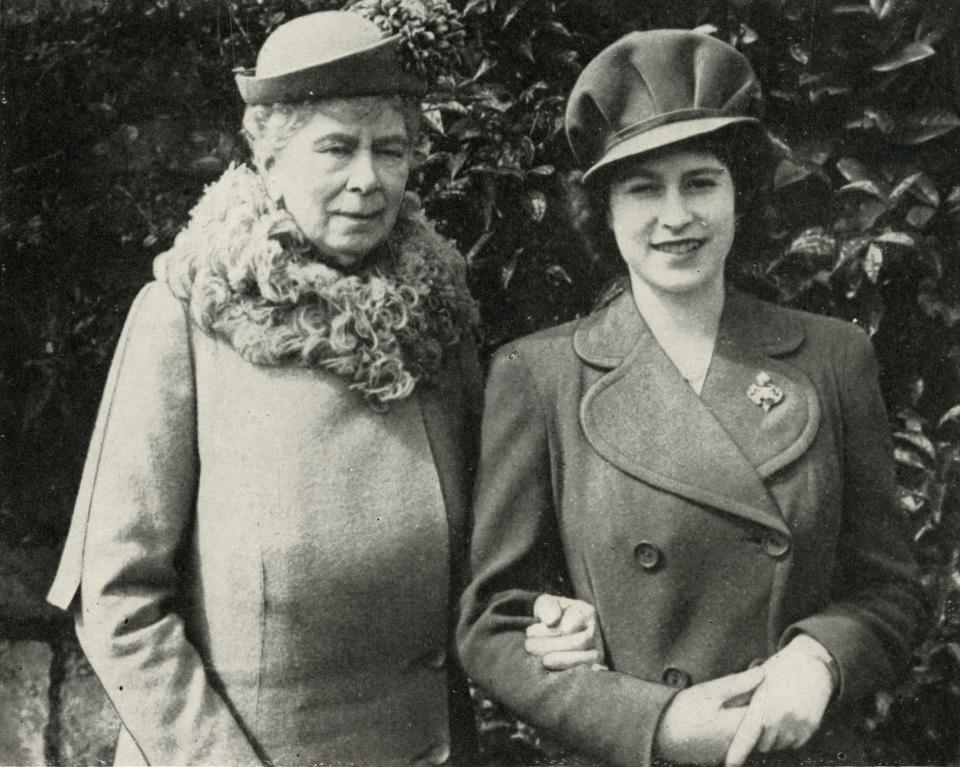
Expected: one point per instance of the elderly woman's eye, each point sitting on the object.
(337, 150)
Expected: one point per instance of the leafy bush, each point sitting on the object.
(114, 115)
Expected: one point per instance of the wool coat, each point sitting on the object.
(705, 531)
(192, 562)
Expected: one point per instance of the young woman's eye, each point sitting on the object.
(642, 189)
(394, 153)
(701, 183)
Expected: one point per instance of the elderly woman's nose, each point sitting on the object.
(363, 175)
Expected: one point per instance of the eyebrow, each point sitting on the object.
(709, 170)
(351, 140)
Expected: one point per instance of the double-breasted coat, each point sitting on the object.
(263, 569)
(706, 531)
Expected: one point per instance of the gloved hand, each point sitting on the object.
(700, 722)
(566, 633)
(787, 708)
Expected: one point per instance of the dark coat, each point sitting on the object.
(705, 531)
(202, 467)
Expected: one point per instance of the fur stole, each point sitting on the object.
(248, 275)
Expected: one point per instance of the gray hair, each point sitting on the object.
(268, 127)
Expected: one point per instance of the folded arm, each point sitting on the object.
(516, 554)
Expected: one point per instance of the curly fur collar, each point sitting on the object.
(249, 276)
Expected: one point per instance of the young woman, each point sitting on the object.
(711, 472)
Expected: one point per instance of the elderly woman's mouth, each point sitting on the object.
(679, 247)
(360, 216)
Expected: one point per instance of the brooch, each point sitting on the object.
(764, 392)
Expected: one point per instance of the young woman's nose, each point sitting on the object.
(674, 213)
(363, 176)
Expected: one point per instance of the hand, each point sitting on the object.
(787, 708)
(701, 721)
(566, 634)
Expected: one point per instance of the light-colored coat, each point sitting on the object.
(706, 531)
(202, 468)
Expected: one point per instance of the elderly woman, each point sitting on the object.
(265, 550)
(711, 472)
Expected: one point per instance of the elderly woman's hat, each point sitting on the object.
(651, 89)
(330, 54)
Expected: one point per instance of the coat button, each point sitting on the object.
(675, 677)
(648, 556)
(775, 543)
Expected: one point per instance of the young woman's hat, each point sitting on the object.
(329, 54)
(650, 89)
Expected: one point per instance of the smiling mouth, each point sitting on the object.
(360, 216)
(678, 247)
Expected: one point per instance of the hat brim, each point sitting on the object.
(664, 135)
(370, 71)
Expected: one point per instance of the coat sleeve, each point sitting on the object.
(878, 612)
(516, 552)
(132, 518)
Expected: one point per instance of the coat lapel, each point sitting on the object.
(753, 336)
(643, 418)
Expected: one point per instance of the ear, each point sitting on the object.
(271, 180)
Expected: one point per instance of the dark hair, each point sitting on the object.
(750, 156)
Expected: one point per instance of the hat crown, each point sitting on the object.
(653, 78)
(315, 39)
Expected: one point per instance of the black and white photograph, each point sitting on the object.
(480, 383)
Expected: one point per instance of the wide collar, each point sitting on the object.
(717, 448)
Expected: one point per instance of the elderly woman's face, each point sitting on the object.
(342, 176)
(673, 218)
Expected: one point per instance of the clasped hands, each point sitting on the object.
(774, 706)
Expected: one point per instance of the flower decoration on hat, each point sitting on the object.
(430, 32)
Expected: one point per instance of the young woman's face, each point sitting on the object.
(673, 220)
(342, 177)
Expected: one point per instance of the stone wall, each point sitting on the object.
(52, 708)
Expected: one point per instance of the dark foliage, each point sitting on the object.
(113, 115)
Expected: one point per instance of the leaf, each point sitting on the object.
(921, 186)
(434, 119)
(814, 242)
(485, 66)
(919, 441)
(853, 170)
(897, 238)
(542, 170)
(909, 54)
(850, 8)
(558, 28)
(512, 12)
(507, 271)
(866, 186)
(789, 172)
(874, 118)
(476, 6)
(909, 458)
(477, 247)
(919, 216)
(910, 501)
(559, 273)
(800, 54)
(537, 202)
(873, 262)
(953, 414)
(918, 128)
